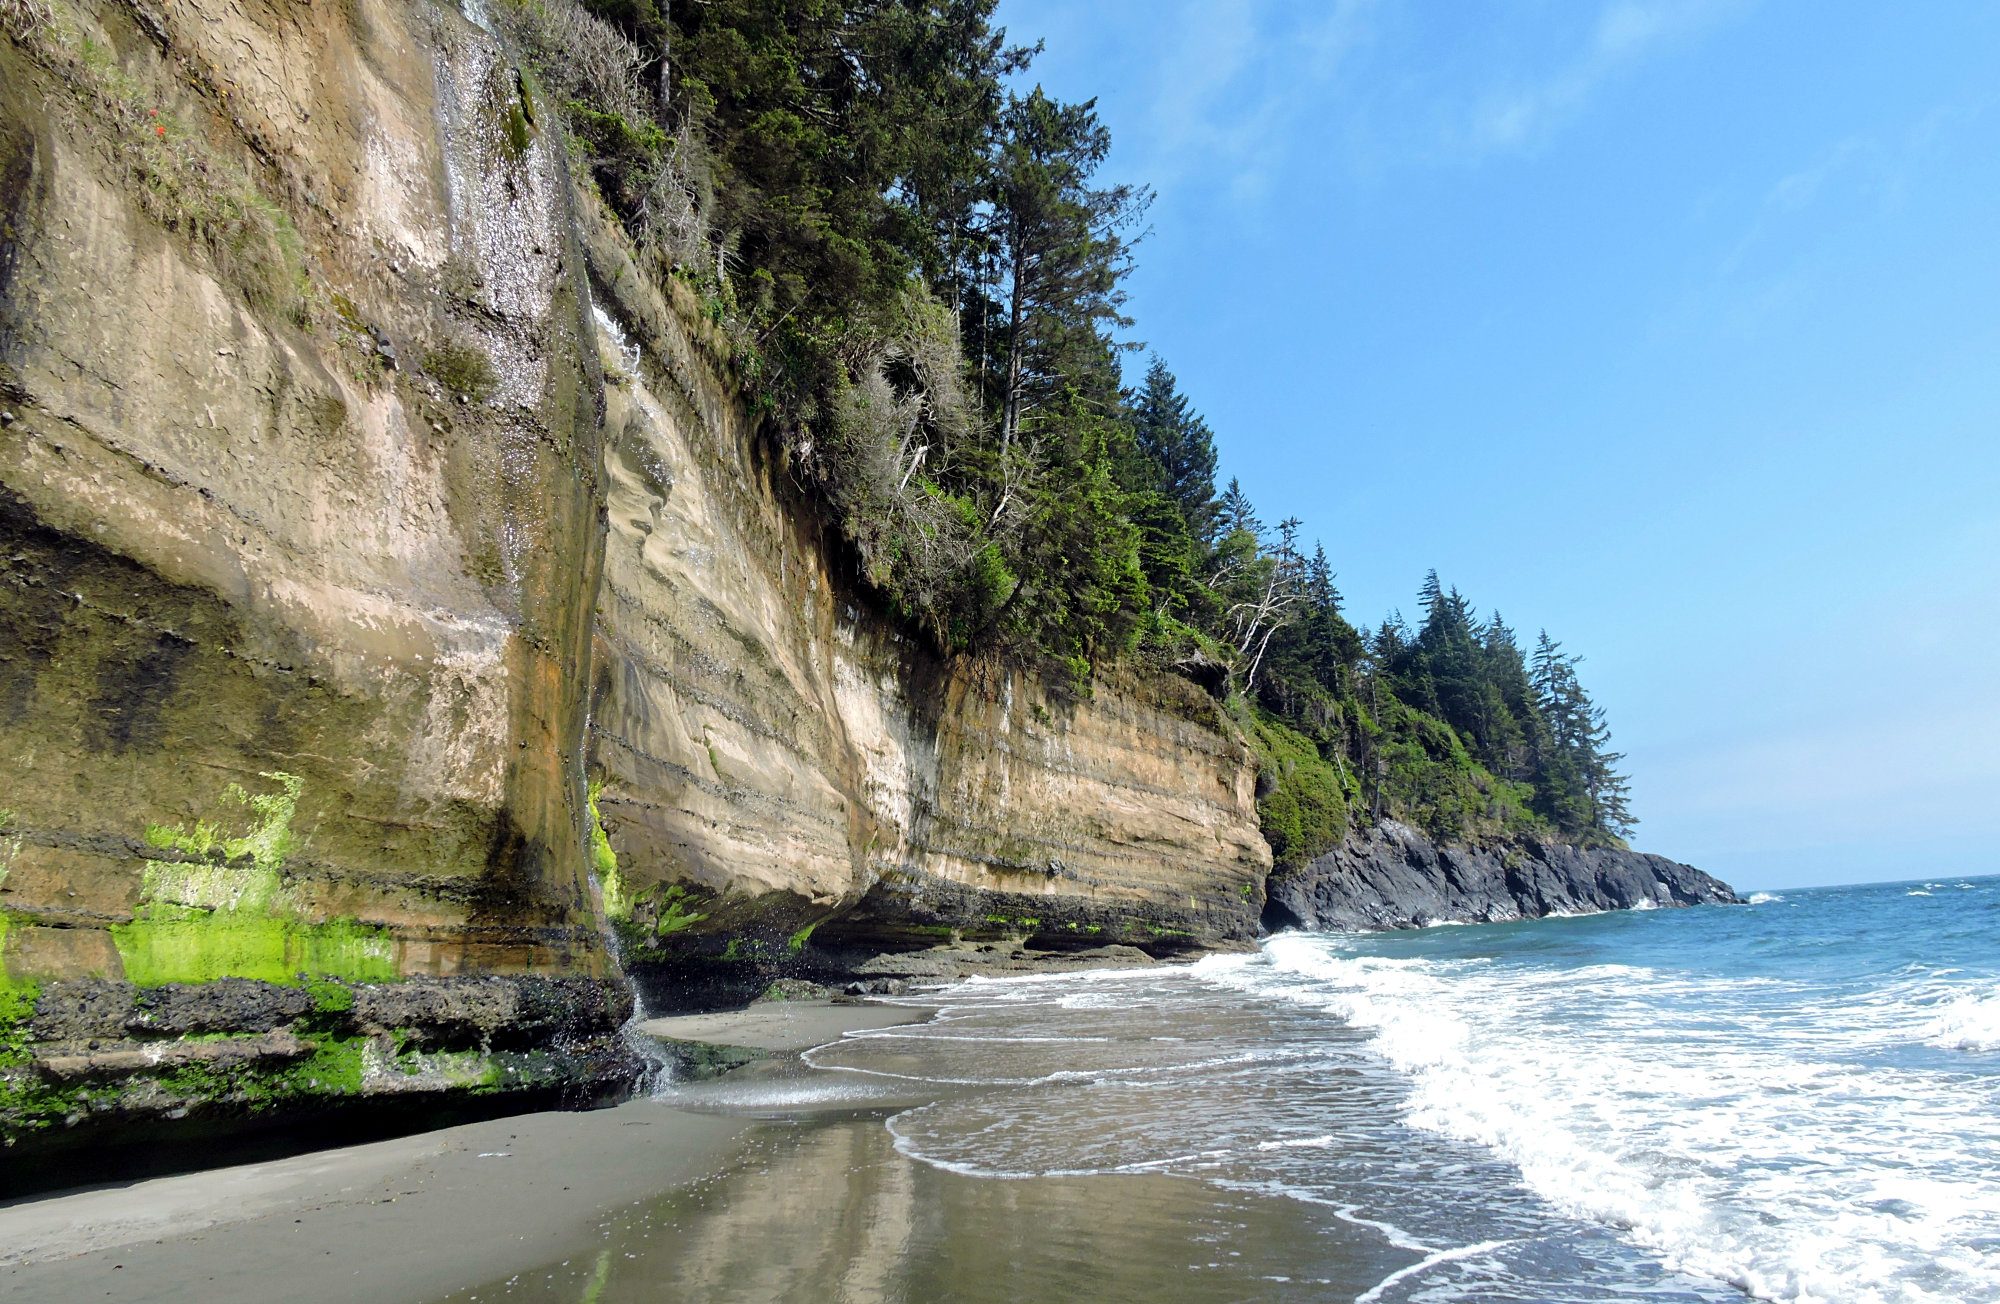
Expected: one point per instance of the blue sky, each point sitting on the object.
(1672, 327)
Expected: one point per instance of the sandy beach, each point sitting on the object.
(411, 1218)
(837, 1150)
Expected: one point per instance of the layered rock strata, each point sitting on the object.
(777, 758)
(300, 526)
(402, 611)
(334, 577)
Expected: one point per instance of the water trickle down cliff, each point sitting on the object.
(308, 475)
(300, 502)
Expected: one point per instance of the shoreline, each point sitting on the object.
(408, 1218)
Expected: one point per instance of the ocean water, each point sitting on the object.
(1796, 1099)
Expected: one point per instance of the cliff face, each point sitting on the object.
(300, 504)
(331, 568)
(776, 757)
(1391, 876)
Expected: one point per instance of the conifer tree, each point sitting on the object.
(1061, 256)
(1235, 512)
(1512, 701)
(1179, 443)
(923, 272)
(1170, 479)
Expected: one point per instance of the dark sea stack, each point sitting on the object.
(1392, 876)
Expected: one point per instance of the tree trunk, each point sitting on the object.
(1011, 420)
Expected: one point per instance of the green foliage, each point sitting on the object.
(922, 274)
(657, 914)
(671, 905)
(179, 179)
(617, 142)
(1302, 803)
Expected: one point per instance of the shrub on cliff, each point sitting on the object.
(1302, 803)
(24, 20)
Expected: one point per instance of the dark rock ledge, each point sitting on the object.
(109, 1077)
(1394, 877)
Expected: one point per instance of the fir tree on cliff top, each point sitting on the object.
(924, 276)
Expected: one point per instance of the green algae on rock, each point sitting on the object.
(221, 908)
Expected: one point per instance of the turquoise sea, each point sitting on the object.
(1796, 1099)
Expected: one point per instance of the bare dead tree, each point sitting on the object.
(1273, 602)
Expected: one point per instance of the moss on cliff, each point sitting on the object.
(222, 909)
(603, 860)
(17, 1008)
(1302, 803)
(177, 176)
(168, 944)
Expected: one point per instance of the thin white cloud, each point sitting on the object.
(1524, 115)
(1227, 85)
(1769, 270)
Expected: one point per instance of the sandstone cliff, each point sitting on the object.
(775, 756)
(361, 503)
(1391, 876)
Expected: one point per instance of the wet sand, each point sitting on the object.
(778, 1181)
(412, 1218)
(781, 1025)
(826, 1209)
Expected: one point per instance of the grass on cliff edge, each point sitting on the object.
(1302, 805)
(179, 179)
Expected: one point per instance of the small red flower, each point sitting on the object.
(161, 130)
(153, 112)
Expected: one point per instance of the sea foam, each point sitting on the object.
(1740, 1160)
(1796, 1106)
(1968, 1022)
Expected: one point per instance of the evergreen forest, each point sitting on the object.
(921, 273)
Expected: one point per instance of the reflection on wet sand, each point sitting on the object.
(827, 1209)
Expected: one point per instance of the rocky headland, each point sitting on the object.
(1392, 876)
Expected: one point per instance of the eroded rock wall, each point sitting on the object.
(300, 524)
(774, 750)
(331, 566)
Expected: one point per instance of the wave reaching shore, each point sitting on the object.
(1797, 1100)
(1792, 1100)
